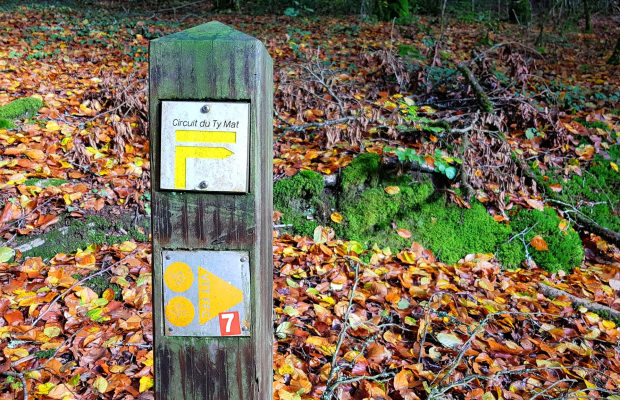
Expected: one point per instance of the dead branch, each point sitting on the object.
(552, 292)
(301, 128)
(481, 97)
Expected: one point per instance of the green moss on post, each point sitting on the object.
(21, 108)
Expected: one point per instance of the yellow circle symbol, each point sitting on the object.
(179, 311)
(178, 276)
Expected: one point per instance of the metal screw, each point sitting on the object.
(205, 109)
(202, 185)
(167, 257)
(244, 259)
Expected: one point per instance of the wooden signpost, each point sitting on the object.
(211, 157)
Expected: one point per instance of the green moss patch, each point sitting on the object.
(596, 193)
(100, 283)
(299, 199)
(564, 251)
(79, 234)
(44, 183)
(373, 216)
(6, 124)
(452, 232)
(21, 108)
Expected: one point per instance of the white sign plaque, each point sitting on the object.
(204, 146)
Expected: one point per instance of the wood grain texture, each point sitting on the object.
(214, 62)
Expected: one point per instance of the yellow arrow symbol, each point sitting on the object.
(206, 136)
(182, 153)
(215, 295)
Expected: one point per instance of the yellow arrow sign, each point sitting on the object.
(206, 136)
(215, 295)
(182, 153)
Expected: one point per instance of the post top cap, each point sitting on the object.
(210, 31)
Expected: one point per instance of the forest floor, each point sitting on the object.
(499, 122)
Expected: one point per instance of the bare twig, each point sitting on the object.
(331, 386)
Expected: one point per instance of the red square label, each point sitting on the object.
(229, 323)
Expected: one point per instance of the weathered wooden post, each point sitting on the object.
(211, 157)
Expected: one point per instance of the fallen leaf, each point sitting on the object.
(336, 217)
(146, 382)
(539, 243)
(392, 190)
(6, 253)
(404, 233)
(449, 340)
(536, 204)
(127, 246)
(101, 384)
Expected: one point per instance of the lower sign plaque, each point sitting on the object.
(206, 293)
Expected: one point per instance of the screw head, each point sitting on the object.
(244, 259)
(202, 185)
(205, 109)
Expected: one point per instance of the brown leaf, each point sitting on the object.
(539, 243)
(536, 204)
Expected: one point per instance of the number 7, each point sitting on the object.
(229, 323)
(229, 319)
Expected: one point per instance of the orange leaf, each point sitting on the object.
(539, 243)
(402, 379)
(35, 154)
(556, 187)
(563, 225)
(404, 233)
(14, 317)
(570, 128)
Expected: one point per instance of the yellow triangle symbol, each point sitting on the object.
(215, 295)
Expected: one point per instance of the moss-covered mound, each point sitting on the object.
(298, 198)
(597, 191)
(373, 215)
(564, 251)
(6, 124)
(21, 108)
